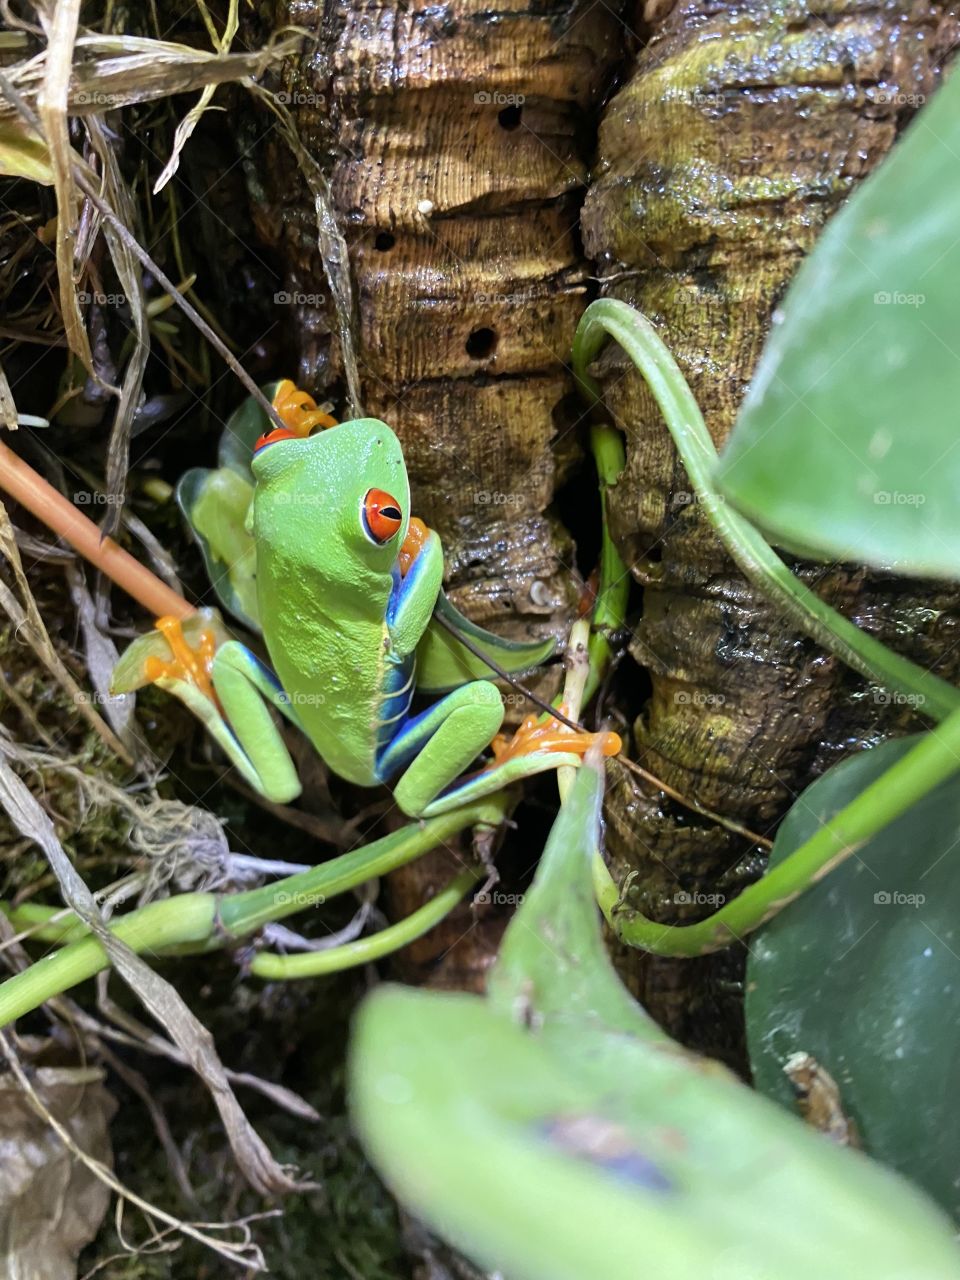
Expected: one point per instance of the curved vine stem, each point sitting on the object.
(756, 559)
(613, 589)
(199, 922)
(313, 964)
(935, 758)
(931, 761)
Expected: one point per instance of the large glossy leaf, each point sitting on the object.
(845, 445)
(863, 973)
(552, 1132)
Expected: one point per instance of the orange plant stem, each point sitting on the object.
(57, 513)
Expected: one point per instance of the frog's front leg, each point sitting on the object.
(435, 747)
(432, 749)
(230, 691)
(246, 689)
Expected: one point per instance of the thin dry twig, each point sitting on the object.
(52, 108)
(29, 624)
(116, 191)
(190, 121)
(85, 180)
(123, 71)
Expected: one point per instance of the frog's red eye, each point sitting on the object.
(381, 515)
(271, 437)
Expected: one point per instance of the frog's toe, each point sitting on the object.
(537, 734)
(174, 650)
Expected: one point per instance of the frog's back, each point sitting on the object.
(323, 586)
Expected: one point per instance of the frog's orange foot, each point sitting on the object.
(536, 734)
(188, 664)
(298, 412)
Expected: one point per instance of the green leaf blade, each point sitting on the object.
(844, 446)
(863, 974)
(552, 1132)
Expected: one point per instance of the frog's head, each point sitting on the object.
(344, 488)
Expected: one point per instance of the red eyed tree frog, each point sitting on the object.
(346, 587)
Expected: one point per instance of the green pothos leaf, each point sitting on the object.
(844, 447)
(553, 1133)
(862, 973)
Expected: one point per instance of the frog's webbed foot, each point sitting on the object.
(227, 688)
(191, 664)
(298, 411)
(178, 652)
(299, 414)
(536, 735)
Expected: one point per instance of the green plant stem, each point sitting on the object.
(190, 918)
(241, 913)
(759, 563)
(205, 921)
(613, 587)
(44, 924)
(580, 660)
(312, 964)
(929, 763)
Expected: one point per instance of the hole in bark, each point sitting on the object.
(481, 343)
(509, 117)
(385, 240)
(567, 413)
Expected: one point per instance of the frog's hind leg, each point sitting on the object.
(244, 687)
(435, 747)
